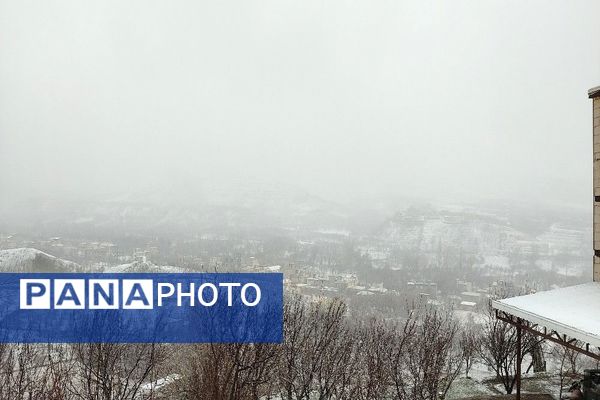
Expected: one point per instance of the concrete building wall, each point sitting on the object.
(595, 95)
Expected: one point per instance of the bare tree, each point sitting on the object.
(33, 371)
(425, 359)
(569, 366)
(372, 375)
(229, 371)
(470, 344)
(112, 371)
(499, 348)
(316, 349)
(398, 353)
(296, 336)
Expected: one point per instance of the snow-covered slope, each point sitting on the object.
(33, 260)
(143, 266)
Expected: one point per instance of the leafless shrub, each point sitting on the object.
(111, 371)
(372, 373)
(325, 355)
(33, 371)
(315, 351)
(569, 366)
(426, 360)
(499, 346)
(228, 371)
(470, 344)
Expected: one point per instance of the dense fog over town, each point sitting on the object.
(401, 163)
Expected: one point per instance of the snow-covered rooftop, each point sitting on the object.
(571, 311)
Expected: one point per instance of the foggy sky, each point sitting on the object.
(447, 99)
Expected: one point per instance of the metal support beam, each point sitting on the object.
(519, 357)
(542, 332)
(551, 336)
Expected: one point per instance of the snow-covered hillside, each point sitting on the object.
(142, 267)
(33, 260)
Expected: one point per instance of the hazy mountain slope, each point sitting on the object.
(33, 260)
(143, 267)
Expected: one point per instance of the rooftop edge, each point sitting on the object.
(594, 92)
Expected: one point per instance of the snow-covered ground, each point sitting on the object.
(482, 380)
(143, 266)
(33, 260)
(159, 384)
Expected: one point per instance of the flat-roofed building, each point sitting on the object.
(566, 316)
(595, 96)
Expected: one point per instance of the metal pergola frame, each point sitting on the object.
(541, 331)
